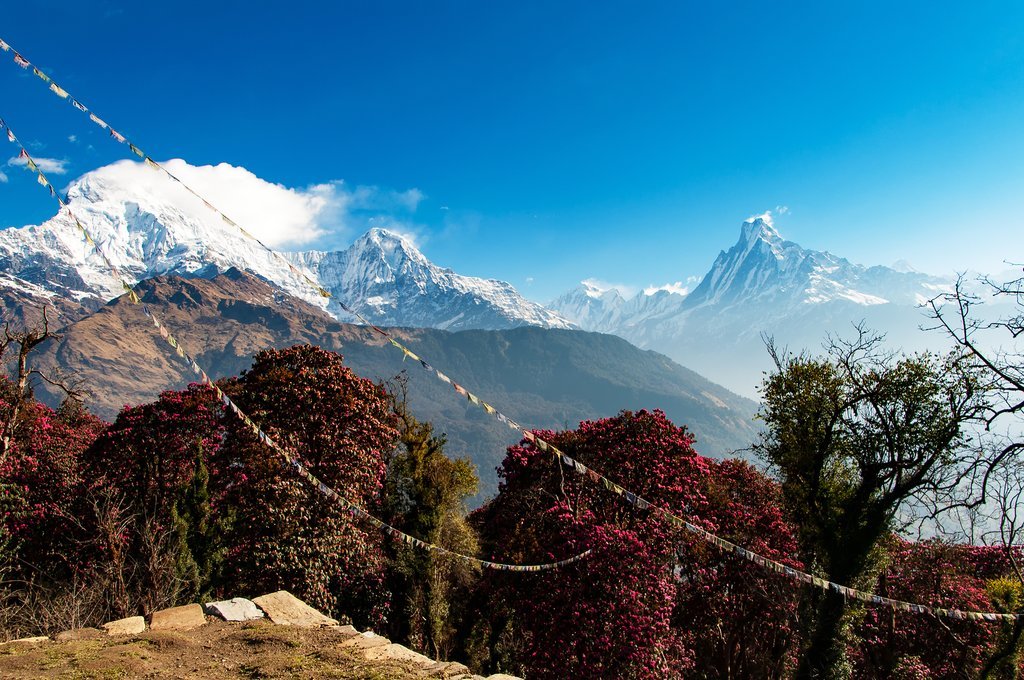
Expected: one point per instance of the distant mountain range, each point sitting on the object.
(547, 378)
(763, 285)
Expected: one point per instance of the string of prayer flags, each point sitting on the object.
(588, 473)
(643, 504)
(288, 459)
(63, 94)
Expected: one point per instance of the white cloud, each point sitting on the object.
(3, 177)
(781, 210)
(374, 198)
(51, 166)
(324, 215)
(72, 138)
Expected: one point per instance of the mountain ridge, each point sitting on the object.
(764, 285)
(151, 229)
(543, 378)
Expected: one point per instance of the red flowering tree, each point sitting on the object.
(41, 479)
(156, 481)
(644, 603)
(901, 644)
(200, 502)
(284, 533)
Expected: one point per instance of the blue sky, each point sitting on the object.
(556, 141)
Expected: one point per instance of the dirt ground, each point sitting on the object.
(217, 650)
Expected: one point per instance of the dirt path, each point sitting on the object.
(219, 649)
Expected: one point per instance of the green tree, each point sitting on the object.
(425, 495)
(854, 437)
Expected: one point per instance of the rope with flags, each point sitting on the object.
(563, 459)
(123, 139)
(288, 460)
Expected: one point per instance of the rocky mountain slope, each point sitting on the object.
(549, 378)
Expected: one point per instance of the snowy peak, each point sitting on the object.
(394, 249)
(760, 228)
(386, 279)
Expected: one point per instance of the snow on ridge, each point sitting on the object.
(149, 226)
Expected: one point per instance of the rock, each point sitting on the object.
(78, 634)
(503, 676)
(133, 625)
(398, 653)
(285, 609)
(235, 609)
(348, 630)
(367, 640)
(443, 669)
(28, 640)
(178, 618)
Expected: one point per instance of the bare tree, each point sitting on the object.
(956, 314)
(992, 489)
(26, 377)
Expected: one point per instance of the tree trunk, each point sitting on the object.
(825, 655)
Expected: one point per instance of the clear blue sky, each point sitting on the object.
(556, 141)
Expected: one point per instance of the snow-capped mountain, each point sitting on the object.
(390, 282)
(766, 285)
(149, 226)
(765, 268)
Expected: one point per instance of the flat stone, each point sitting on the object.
(348, 630)
(398, 653)
(78, 634)
(503, 676)
(186, 617)
(443, 669)
(235, 609)
(285, 609)
(28, 640)
(133, 625)
(367, 640)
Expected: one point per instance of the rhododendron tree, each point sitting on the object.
(646, 600)
(285, 534)
(203, 501)
(41, 481)
(142, 474)
(938, 574)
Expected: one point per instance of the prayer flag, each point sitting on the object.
(59, 91)
(4, 46)
(20, 60)
(136, 150)
(98, 121)
(78, 105)
(10, 136)
(117, 135)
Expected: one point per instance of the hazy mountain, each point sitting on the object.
(541, 377)
(149, 228)
(764, 284)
